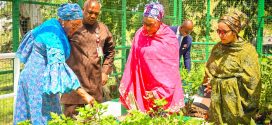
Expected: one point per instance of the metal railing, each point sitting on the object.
(16, 72)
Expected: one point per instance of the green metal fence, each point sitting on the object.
(267, 27)
(123, 17)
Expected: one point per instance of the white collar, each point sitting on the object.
(178, 34)
(178, 31)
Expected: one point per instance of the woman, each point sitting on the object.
(152, 69)
(43, 51)
(234, 74)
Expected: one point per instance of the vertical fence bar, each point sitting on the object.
(175, 13)
(180, 19)
(180, 16)
(208, 19)
(260, 23)
(124, 27)
(15, 24)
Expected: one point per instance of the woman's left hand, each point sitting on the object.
(149, 95)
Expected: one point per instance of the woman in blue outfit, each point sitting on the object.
(44, 50)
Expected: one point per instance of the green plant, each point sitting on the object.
(191, 82)
(156, 116)
(27, 122)
(93, 116)
(60, 120)
(6, 87)
(135, 117)
(266, 80)
(88, 115)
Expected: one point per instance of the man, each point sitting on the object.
(185, 41)
(91, 57)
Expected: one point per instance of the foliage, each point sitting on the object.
(192, 80)
(266, 93)
(5, 27)
(93, 116)
(27, 122)
(157, 116)
(6, 45)
(87, 116)
(192, 9)
(196, 10)
(266, 79)
(136, 118)
(191, 83)
(6, 87)
(5, 11)
(6, 111)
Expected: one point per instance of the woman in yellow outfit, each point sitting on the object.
(234, 74)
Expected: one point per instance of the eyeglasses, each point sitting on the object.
(223, 32)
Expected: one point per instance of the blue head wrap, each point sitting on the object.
(154, 10)
(70, 11)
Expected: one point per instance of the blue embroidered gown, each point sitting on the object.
(43, 50)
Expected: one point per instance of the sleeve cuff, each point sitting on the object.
(59, 78)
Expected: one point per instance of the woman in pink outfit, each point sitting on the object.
(152, 69)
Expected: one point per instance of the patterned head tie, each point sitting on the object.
(236, 20)
(70, 11)
(154, 10)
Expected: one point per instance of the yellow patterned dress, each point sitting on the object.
(235, 79)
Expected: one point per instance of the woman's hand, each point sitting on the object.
(208, 87)
(149, 95)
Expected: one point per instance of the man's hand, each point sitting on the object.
(89, 99)
(86, 96)
(104, 78)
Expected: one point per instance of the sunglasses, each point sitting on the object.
(223, 32)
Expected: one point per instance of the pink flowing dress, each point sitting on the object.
(153, 65)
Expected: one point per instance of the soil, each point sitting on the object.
(195, 111)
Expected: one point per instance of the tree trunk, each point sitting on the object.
(30, 17)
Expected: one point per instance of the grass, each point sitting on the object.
(6, 83)
(6, 111)
(6, 79)
(6, 87)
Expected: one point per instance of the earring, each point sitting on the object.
(62, 24)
